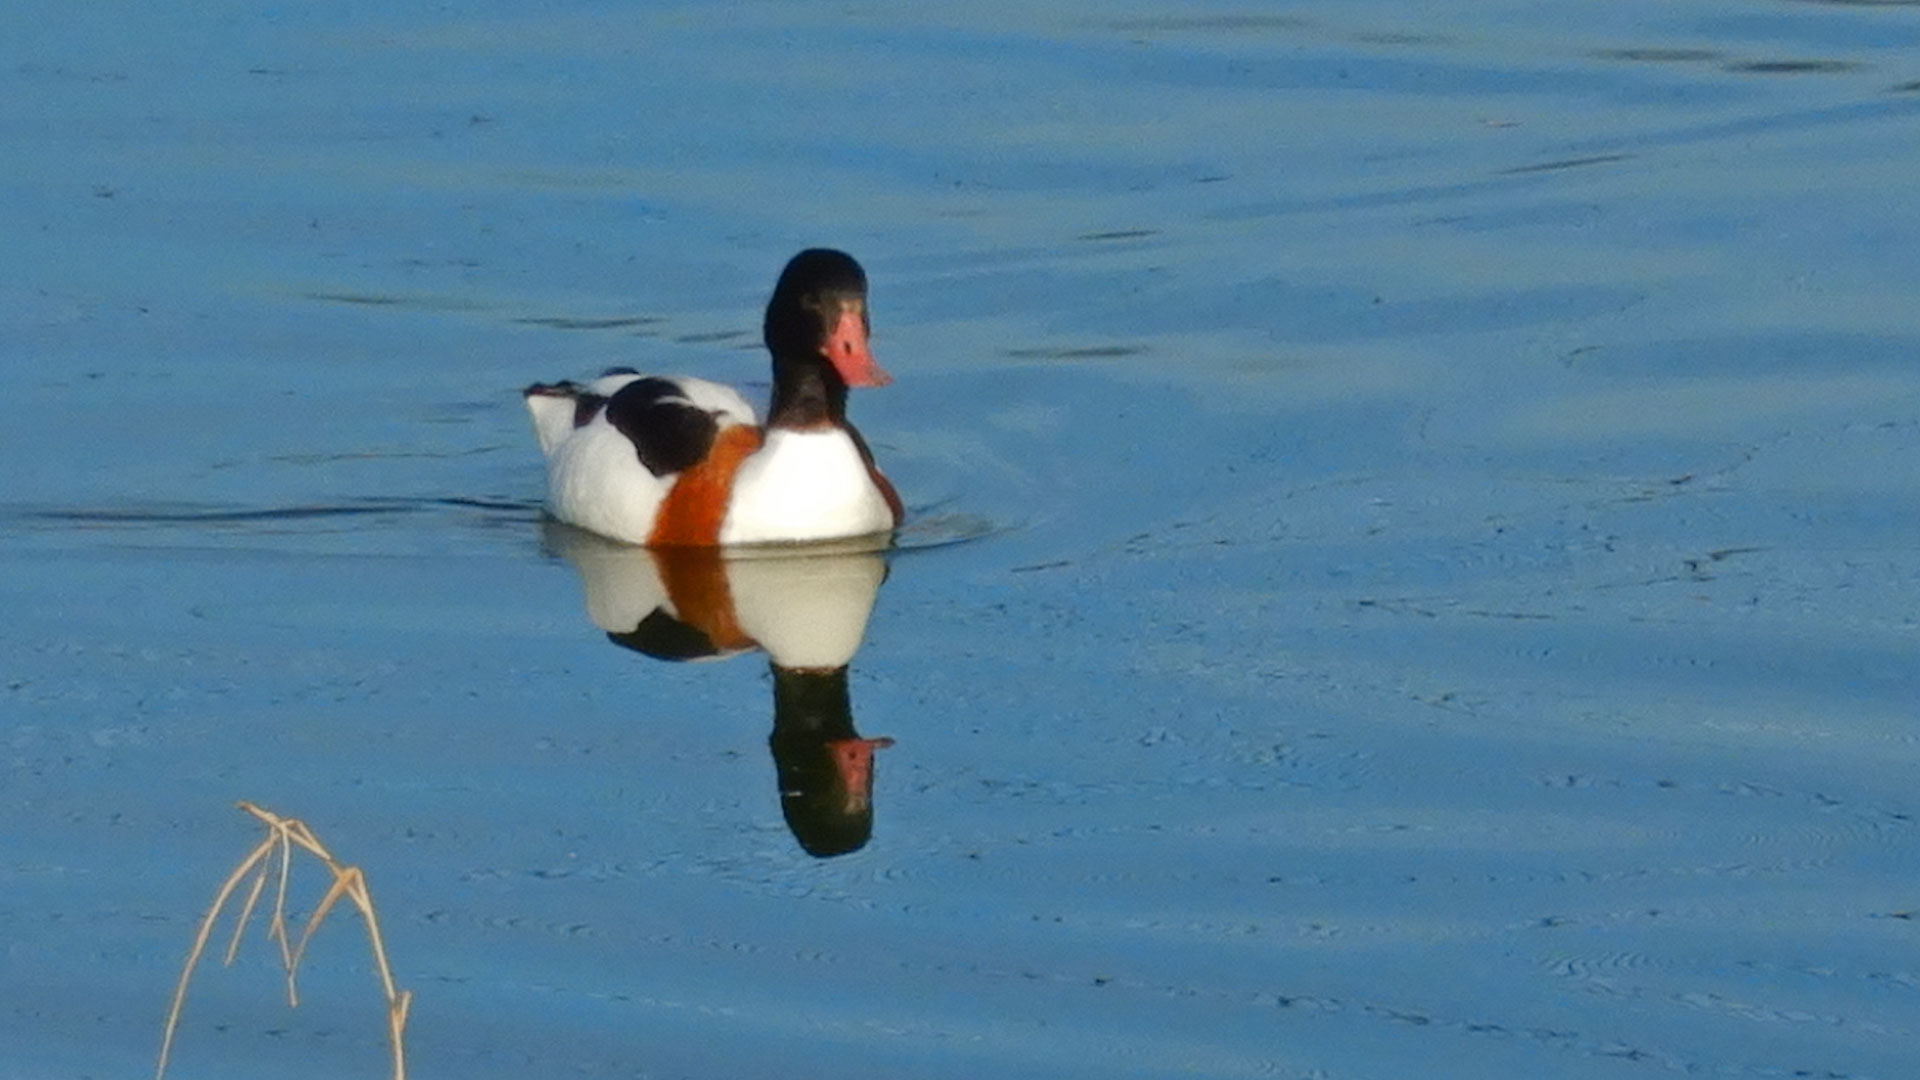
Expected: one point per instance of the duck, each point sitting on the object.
(676, 461)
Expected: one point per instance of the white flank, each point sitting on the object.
(595, 480)
(804, 485)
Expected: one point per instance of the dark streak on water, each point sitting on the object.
(1795, 67)
(562, 322)
(415, 302)
(1658, 55)
(1085, 352)
(1177, 23)
(1567, 163)
(136, 517)
(1119, 234)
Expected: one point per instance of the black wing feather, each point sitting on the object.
(669, 433)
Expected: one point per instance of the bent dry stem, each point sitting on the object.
(283, 835)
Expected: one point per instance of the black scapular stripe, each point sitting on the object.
(669, 433)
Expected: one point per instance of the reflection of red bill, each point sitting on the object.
(846, 347)
(853, 760)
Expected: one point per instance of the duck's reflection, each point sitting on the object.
(808, 612)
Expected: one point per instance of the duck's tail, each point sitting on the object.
(557, 409)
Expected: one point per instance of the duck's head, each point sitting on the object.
(819, 312)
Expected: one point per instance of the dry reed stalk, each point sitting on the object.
(283, 835)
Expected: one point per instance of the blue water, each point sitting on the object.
(1412, 571)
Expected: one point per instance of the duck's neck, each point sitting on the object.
(807, 395)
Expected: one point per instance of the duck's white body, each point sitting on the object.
(799, 486)
(682, 462)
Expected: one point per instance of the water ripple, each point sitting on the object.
(164, 515)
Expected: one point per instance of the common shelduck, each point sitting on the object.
(681, 462)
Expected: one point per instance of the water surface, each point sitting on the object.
(1413, 568)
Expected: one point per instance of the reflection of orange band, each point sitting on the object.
(696, 583)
